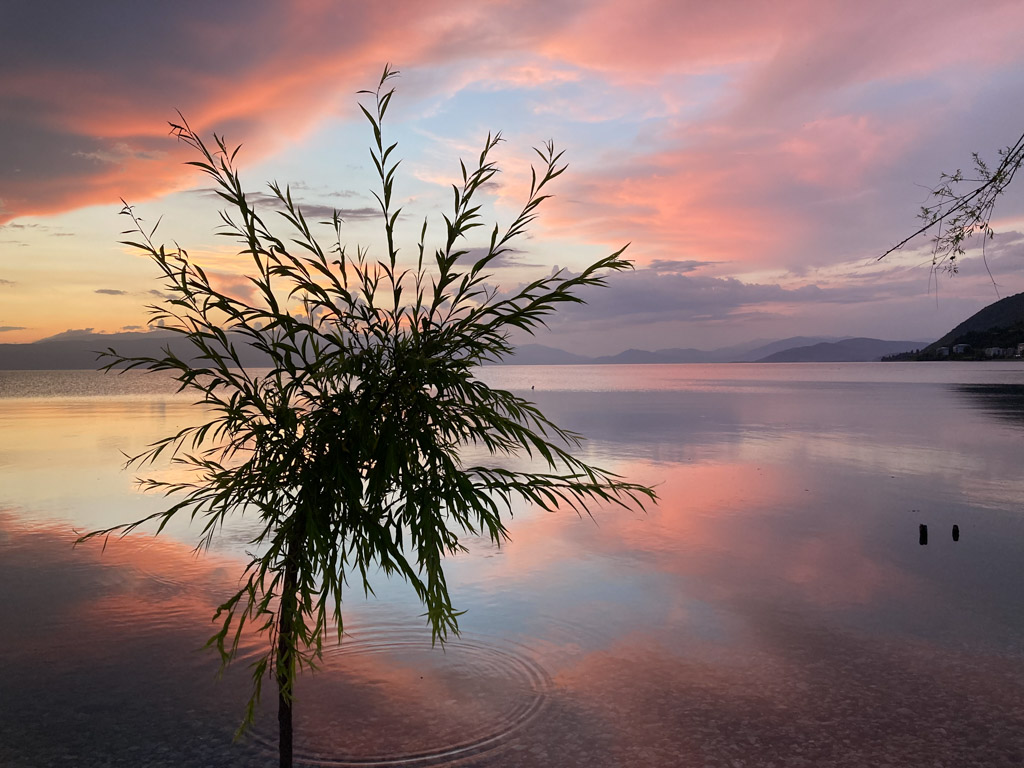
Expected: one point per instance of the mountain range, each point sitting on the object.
(81, 349)
(796, 349)
(1000, 324)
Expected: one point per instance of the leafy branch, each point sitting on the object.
(962, 207)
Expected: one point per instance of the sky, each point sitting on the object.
(756, 156)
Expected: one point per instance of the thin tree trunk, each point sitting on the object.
(285, 662)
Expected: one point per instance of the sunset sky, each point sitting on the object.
(758, 156)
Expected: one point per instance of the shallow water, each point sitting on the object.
(774, 609)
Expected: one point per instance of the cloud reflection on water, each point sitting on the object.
(773, 608)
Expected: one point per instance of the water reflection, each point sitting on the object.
(774, 608)
(101, 653)
(1004, 401)
(64, 457)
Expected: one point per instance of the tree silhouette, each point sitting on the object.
(348, 446)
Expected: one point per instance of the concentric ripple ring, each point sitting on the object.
(385, 697)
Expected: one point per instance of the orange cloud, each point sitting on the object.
(90, 130)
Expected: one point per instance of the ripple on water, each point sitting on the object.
(385, 697)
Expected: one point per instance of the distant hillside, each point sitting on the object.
(538, 354)
(78, 350)
(998, 325)
(663, 356)
(737, 354)
(764, 350)
(860, 350)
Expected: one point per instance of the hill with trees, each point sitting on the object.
(998, 325)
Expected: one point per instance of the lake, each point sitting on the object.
(774, 609)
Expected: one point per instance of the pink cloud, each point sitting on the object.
(640, 40)
(837, 152)
(791, 126)
(829, 46)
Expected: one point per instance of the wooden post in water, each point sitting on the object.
(922, 535)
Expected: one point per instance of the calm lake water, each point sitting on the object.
(775, 609)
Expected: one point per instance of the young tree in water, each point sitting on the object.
(348, 449)
(961, 207)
